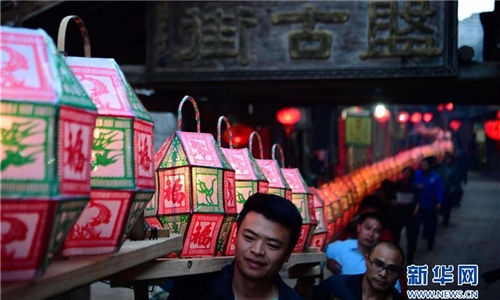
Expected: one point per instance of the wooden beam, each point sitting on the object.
(164, 268)
(64, 275)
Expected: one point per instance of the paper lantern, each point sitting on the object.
(455, 125)
(196, 186)
(122, 164)
(249, 177)
(427, 117)
(492, 129)
(319, 235)
(288, 116)
(302, 197)
(335, 208)
(47, 121)
(403, 117)
(277, 182)
(416, 117)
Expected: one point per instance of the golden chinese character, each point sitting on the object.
(386, 40)
(300, 41)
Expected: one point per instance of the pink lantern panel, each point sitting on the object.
(32, 232)
(47, 121)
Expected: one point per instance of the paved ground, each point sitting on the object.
(473, 236)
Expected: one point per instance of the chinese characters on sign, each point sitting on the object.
(385, 37)
(417, 275)
(308, 35)
(295, 39)
(213, 33)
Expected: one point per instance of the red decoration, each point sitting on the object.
(455, 124)
(498, 114)
(288, 116)
(382, 114)
(416, 117)
(403, 116)
(449, 106)
(427, 117)
(492, 129)
(440, 107)
(241, 134)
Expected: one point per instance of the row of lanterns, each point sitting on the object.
(76, 156)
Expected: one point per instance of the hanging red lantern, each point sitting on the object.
(403, 116)
(498, 114)
(492, 129)
(416, 117)
(427, 117)
(455, 124)
(449, 106)
(440, 107)
(288, 116)
(381, 113)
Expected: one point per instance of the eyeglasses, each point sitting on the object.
(380, 266)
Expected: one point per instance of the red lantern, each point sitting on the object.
(449, 106)
(381, 113)
(416, 117)
(455, 124)
(440, 107)
(403, 116)
(288, 116)
(492, 129)
(498, 114)
(427, 117)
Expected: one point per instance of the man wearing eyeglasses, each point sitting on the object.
(383, 265)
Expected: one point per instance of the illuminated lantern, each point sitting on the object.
(449, 106)
(277, 183)
(47, 121)
(302, 197)
(416, 117)
(241, 135)
(319, 235)
(288, 116)
(440, 107)
(249, 179)
(492, 129)
(455, 125)
(427, 117)
(196, 186)
(336, 210)
(403, 116)
(381, 113)
(122, 175)
(327, 211)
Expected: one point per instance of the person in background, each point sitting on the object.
(348, 257)
(452, 186)
(383, 264)
(268, 229)
(406, 194)
(429, 200)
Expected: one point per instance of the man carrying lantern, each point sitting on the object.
(268, 229)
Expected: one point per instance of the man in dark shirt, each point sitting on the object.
(383, 265)
(268, 229)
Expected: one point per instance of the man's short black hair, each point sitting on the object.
(390, 245)
(372, 215)
(276, 209)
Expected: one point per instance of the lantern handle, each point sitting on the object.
(282, 156)
(228, 126)
(61, 34)
(196, 111)
(256, 135)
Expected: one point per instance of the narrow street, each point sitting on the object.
(473, 236)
